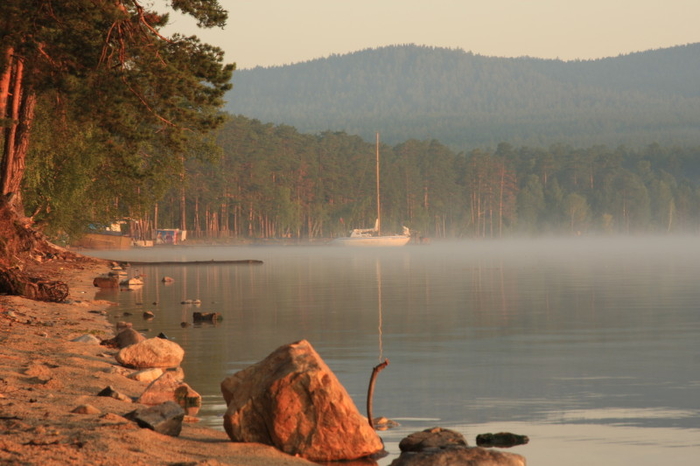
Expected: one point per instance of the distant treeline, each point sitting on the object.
(275, 182)
(469, 101)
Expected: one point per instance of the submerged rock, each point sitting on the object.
(453, 456)
(437, 437)
(501, 439)
(213, 317)
(445, 447)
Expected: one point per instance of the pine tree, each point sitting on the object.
(104, 67)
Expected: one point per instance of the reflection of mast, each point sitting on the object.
(379, 205)
(379, 367)
(379, 307)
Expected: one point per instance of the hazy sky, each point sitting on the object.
(279, 32)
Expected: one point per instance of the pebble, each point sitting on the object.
(86, 409)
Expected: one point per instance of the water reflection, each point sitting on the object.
(592, 349)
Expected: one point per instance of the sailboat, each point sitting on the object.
(374, 236)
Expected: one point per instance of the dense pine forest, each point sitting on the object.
(273, 181)
(469, 101)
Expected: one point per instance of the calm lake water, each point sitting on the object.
(591, 347)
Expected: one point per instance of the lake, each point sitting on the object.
(590, 347)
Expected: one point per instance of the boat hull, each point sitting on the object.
(383, 241)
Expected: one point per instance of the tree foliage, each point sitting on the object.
(108, 102)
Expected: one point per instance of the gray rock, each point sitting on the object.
(111, 392)
(126, 337)
(165, 418)
(501, 439)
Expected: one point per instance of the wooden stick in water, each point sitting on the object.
(370, 390)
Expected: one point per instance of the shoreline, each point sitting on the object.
(44, 376)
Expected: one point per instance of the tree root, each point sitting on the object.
(15, 282)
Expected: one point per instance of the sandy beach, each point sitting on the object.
(44, 377)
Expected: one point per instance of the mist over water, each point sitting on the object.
(590, 346)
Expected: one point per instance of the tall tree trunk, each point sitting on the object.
(19, 110)
(5, 79)
(11, 114)
(197, 226)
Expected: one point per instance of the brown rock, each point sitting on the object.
(86, 409)
(87, 338)
(170, 387)
(111, 417)
(106, 281)
(122, 325)
(452, 456)
(126, 337)
(445, 447)
(121, 370)
(293, 401)
(152, 352)
(437, 437)
(146, 375)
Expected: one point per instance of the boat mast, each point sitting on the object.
(379, 208)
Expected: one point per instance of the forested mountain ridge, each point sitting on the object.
(466, 100)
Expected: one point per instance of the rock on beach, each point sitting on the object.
(171, 387)
(152, 352)
(293, 401)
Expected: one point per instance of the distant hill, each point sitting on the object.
(466, 100)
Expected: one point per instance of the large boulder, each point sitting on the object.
(152, 352)
(445, 447)
(292, 401)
